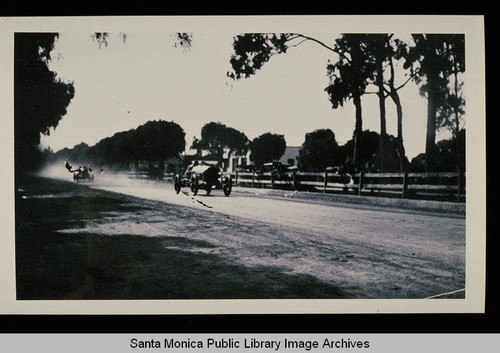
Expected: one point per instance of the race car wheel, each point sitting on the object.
(177, 184)
(228, 186)
(194, 185)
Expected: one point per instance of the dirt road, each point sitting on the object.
(244, 246)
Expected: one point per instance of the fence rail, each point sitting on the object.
(404, 185)
(169, 177)
(449, 186)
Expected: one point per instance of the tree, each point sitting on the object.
(216, 137)
(182, 40)
(80, 152)
(237, 141)
(385, 50)
(40, 98)
(359, 59)
(431, 57)
(451, 111)
(369, 153)
(398, 49)
(253, 50)
(368, 144)
(156, 141)
(348, 75)
(379, 49)
(103, 152)
(319, 151)
(123, 147)
(446, 156)
(450, 154)
(266, 148)
(349, 78)
(379, 44)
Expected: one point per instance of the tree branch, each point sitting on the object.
(306, 38)
(298, 35)
(404, 83)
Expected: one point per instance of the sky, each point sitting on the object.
(124, 85)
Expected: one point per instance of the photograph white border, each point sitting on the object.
(471, 25)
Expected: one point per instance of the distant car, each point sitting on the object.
(271, 167)
(282, 173)
(278, 168)
(80, 173)
(83, 173)
(203, 176)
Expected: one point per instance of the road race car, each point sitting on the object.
(203, 176)
(80, 173)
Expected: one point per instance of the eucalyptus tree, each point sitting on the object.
(450, 114)
(433, 57)
(181, 39)
(387, 50)
(378, 43)
(398, 50)
(349, 74)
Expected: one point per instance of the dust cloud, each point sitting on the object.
(102, 177)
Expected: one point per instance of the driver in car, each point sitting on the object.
(187, 173)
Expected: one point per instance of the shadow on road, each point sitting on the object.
(52, 264)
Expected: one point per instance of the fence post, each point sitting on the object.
(236, 178)
(459, 186)
(325, 181)
(272, 180)
(405, 184)
(360, 182)
(253, 179)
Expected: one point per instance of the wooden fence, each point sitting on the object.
(441, 186)
(169, 177)
(405, 185)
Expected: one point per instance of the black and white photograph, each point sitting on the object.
(252, 164)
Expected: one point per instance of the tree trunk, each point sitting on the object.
(151, 169)
(430, 141)
(457, 125)
(383, 124)
(358, 129)
(161, 169)
(357, 59)
(458, 155)
(400, 149)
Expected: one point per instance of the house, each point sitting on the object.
(235, 160)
